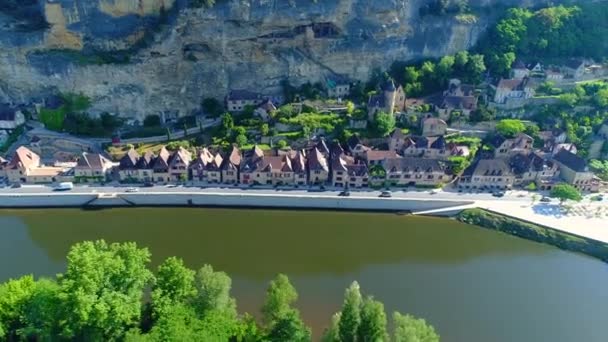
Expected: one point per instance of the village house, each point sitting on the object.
(230, 166)
(487, 174)
(574, 68)
(347, 173)
(264, 110)
(206, 167)
(566, 146)
(522, 70)
(426, 147)
(144, 167)
(10, 117)
(337, 87)
(160, 166)
(92, 167)
(533, 168)
(432, 127)
(298, 165)
(237, 100)
(396, 140)
(318, 168)
(415, 172)
(513, 92)
(179, 161)
(457, 98)
(390, 100)
(554, 75)
(127, 167)
(375, 157)
(25, 168)
(574, 171)
(249, 169)
(506, 147)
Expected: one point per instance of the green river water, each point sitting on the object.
(472, 284)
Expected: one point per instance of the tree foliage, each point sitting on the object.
(410, 329)
(384, 123)
(566, 192)
(100, 296)
(510, 127)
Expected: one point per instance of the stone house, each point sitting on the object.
(267, 170)
(10, 117)
(25, 167)
(92, 167)
(506, 147)
(347, 173)
(574, 68)
(178, 162)
(487, 174)
(237, 100)
(230, 166)
(533, 168)
(574, 171)
(206, 167)
(298, 165)
(513, 91)
(458, 97)
(554, 75)
(434, 127)
(390, 100)
(416, 172)
(396, 140)
(426, 147)
(250, 164)
(318, 168)
(264, 110)
(127, 167)
(521, 70)
(337, 87)
(375, 157)
(160, 166)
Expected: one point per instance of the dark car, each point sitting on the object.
(498, 194)
(545, 199)
(386, 194)
(344, 193)
(148, 185)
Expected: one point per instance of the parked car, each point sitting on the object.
(545, 199)
(345, 193)
(498, 194)
(148, 185)
(16, 186)
(65, 186)
(386, 194)
(433, 192)
(132, 190)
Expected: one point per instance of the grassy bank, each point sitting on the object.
(486, 219)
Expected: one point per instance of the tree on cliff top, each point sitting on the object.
(510, 127)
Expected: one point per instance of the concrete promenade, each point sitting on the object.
(587, 218)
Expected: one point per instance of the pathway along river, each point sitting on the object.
(472, 284)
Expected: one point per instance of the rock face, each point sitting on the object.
(177, 55)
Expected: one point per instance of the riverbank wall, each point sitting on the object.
(252, 200)
(535, 232)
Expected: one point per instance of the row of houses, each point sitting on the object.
(405, 161)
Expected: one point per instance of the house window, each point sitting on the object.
(430, 177)
(317, 172)
(353, 179)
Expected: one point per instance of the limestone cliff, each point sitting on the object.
(177, 55)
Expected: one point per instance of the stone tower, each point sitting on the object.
(390, 96)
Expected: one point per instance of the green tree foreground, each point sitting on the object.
(101, 295)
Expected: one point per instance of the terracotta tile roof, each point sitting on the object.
(379, 155)
(24, 158)
(488, 167)
(145, 161)
(298, 162)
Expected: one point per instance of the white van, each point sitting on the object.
(65, 186)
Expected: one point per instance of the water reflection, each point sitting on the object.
(258, 244)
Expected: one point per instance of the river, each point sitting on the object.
(472, 284)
